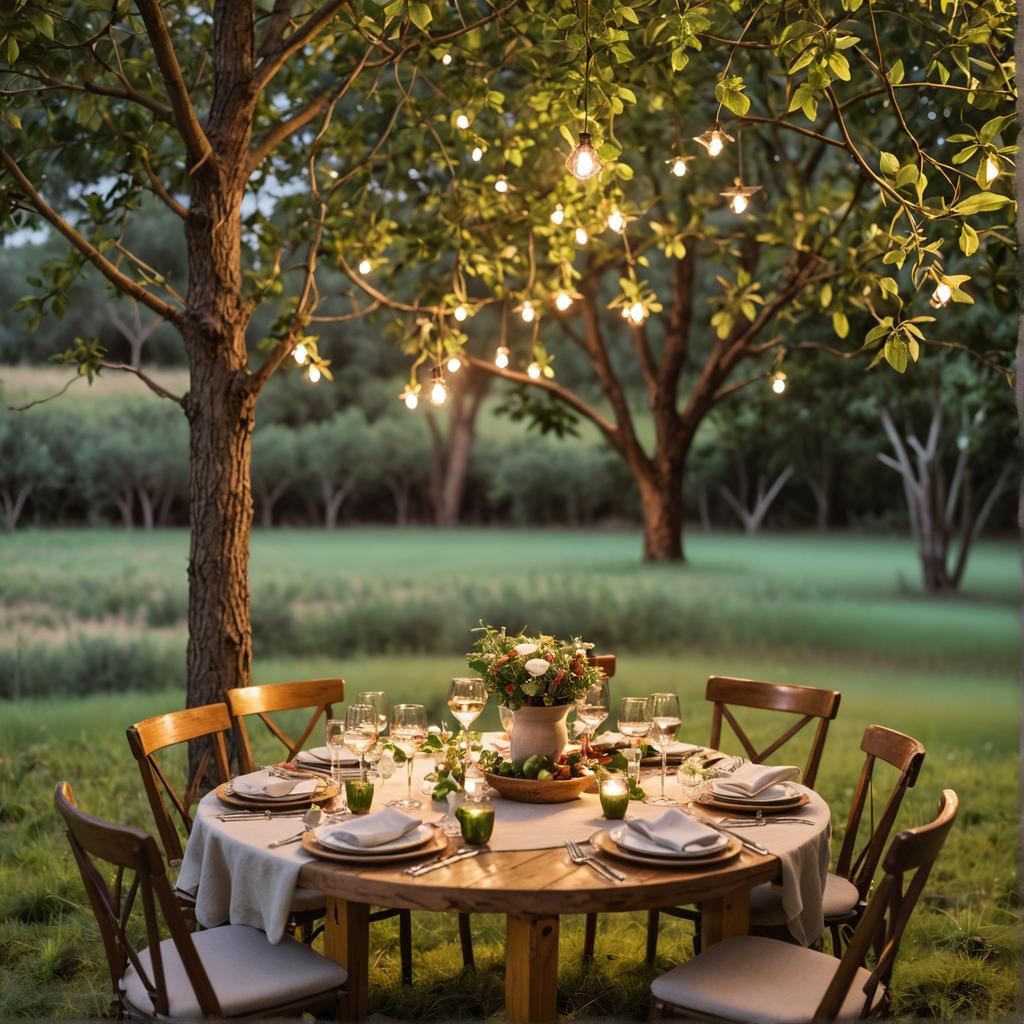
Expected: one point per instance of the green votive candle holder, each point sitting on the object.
(614, 798)
(359, 795)
(477, 821)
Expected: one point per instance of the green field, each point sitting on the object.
(835, 612)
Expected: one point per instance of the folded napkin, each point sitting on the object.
(375, 829)
(676, 831)
(262, 783)
(609, 740)
(753, 779)
(679, 749)
(324, 754)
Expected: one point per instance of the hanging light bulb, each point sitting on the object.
(637, 313)
(557, 214)
(678, 166)
(438, 388)
(299, 353)
(739, 196)
(462, 122)
(454, 364)
(446, 59)
(941, 296)
(410, 397)
(365, 266)
(625, 312)
(778, 382)
(583, 162)
(477, 155)
(581, 236)
(460, 312)
(616, 222)
(991, 170)
(528, 312)
(313, 373)
(501, 357)
(501, 185)
(533, 371)
(563, 300)
(714, 139)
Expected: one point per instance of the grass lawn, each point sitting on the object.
(835, 612)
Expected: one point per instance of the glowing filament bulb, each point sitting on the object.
(616, 222)
(583, 162)
(528, 312)
(739, 203)
(460, 313)
(299, 353)
(714, 140)
(563, 300)
(557, 214)
(438, 391)
(715, 144)
(462, 122)
(314, 374)
(501, 185)
(477, 155)
(533, 371)
(637, 313)
(778, 382)
(581, 236)
(410, 398)
(454, 364)
(679, 167)
(941, 296)
(991, 170)
(446, 59)
(501, 357)
(365, 266)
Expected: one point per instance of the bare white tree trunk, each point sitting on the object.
(753, 517)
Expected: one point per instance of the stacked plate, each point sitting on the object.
(319, 760)
(775, 799)
(327, 842)
(264, 791)
(707, 848)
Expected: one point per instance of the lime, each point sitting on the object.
(544, 775)
(533, 764)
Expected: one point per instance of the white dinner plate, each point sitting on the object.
(781, 793)
(416, 837)
(630, 839)
(322, 755)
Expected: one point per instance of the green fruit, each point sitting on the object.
(544, 775)
(533, 764)
(507, 769)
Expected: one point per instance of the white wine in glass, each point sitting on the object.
(378, 700)
(466, 699)
(665, 720)
(361, 731)
(635, 724)
(592, 710)
(408, 731)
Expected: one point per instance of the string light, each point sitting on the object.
(313, 373)
(616, 222)
(477, 155)
(501, 185)
(533, 371)
(299, 353)
(714, 139)
(941, 296)
(462, 122)
(501, 357)
(557, 214)
(636, 313)
(583, 161)
(365, 266)
(778, 382)
(563, 300)
(438, 388)
(454, 364)
(739, 196)
(678, 166)
(460, 313)
(528, 312)
(410, 397)
(991, 169)
(581, 236)
(446, 59)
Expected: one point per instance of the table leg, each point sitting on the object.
(725, 917)
(347, 942)
(531, 968)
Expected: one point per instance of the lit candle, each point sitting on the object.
(614, 797)
(359, 795)
(477, 821)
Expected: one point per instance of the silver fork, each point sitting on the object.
(606, 871)
(761, 819)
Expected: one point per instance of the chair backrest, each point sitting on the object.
(807, 701)
(318, 694)
(906, 755)
(148, 737)
(132, 853)
(907, 865)
(605, 662)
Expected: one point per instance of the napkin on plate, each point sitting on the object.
(676, 831)
(262, 783)
(752, 780)
(323, 754)
(608, 740)
(375, 829)
(679, 749)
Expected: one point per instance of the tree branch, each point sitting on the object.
(272, 61)
(157, 389)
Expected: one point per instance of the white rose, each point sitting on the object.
(537, 666)
(524, 648)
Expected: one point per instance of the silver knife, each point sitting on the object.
(423, 869)
(742, 840)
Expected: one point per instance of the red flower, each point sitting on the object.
(510, 688)
(558, 678)
(550, 657)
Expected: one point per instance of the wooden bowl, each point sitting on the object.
(530, 791)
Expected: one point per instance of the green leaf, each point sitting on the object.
(888, 286)
(729, 92)
(964, 154)
(826, 295)
(896, 73)
(981, 202)
(907, 175)
(889, 164)
(839, 66)
(968, 240)
(896, 354)
(680, 58)
(12, 50)
(421, 14)
(840, 324)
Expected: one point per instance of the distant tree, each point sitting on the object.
(26, 466)
(402, 453)
(276, 468)
(133, 330)
(335, 456)
(109, 465)
(160, 458)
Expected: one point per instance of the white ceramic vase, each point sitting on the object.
(539, 730)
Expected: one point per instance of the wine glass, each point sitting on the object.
(466, 698)
(378, 700)
(635, 723)
(665, 719)
(507, 717)
(361, 731)
(408, 731)
(592, 710)
(334, 737)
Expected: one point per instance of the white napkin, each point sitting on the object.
(753, 779)
(676, 831)
(680, 748)
(609, 740)
(375, 829)
(262, 783)
(324, 754)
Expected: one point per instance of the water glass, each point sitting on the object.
(665, 720)
(635, 724)
(408, 731)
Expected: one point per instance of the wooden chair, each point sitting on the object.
(753, 978)
(319, 694)
(605, 662)
(846, 891)
(227, 972)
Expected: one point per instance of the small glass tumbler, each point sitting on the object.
(614, 794)
(477, 821)
(359, 795)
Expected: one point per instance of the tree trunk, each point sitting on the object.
(148, 503)
(124, 502)
(661, 497)
(12, 506)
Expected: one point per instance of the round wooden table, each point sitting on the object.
(531, 888)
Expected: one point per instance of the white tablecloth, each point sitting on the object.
(236, 878)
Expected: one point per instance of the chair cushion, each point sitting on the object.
(754, 979)
(247, 973)
(839, 898)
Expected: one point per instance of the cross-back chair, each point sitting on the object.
(605, 662)
(755, 978)
(319, 694)
(154, 735)
(230, 971)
